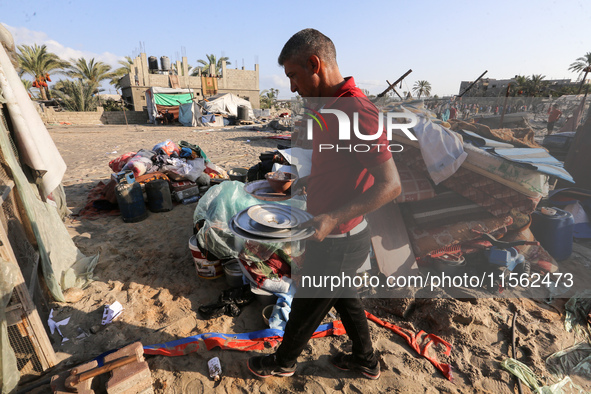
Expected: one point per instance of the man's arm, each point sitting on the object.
(386, 188)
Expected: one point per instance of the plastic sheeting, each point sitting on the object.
(63, 265)
(9, 375)
(227, 104)
(36, 147)
(217, 207)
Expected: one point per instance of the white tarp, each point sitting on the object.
(35, 145)
(227, 104)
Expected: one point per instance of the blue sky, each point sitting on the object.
(443, 42)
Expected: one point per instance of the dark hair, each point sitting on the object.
(306, 43)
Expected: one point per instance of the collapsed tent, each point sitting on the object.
(227, 104)
(161, 99)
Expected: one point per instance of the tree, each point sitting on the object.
(422, 88)
(78, 95)
(582, 65)
(122, 71)
(28, 86)
(522, 84)
(211, 60)
(536, 84)
(268, 98)
(91, 71)
(39, 63)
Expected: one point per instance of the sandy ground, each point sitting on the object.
(148, 268)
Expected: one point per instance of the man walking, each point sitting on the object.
(553, 115)
(344, 185)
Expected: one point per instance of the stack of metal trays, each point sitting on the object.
(271, 223)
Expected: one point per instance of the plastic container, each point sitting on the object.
(267, 311)
(183, 194)
(238, 174)
(553, 229)
(233, 273)
(242, 112)
(206, 269)
(263, 296)
(190, 200)
(130, 199)
(159, 198)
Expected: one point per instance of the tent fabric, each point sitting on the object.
(36, 147)
(172, 99)
(155, 96)
(227, 104)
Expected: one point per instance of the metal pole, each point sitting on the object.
(472, 84)
(394, 84)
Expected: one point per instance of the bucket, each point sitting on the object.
(553, 229)
(263, 296)
(159, 198)
(238, 174)
(233, 273)
(130, 199)
(206, 269)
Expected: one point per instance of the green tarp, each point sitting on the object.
(172, 99)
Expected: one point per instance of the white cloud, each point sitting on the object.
(24, 36)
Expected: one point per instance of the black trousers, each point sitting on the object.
(331, 257)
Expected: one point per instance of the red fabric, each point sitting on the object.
(453, 113)
(420, 342)
(117, 164)
(339, 177)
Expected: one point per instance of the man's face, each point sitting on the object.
(302, 79)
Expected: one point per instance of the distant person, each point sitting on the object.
(453, 113)
(553, 115)
(169, 116)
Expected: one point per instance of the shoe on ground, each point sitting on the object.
(266, 366)
(348, 362)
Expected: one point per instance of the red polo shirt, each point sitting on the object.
(340, 175)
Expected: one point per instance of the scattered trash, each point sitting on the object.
(111, 312)
(215, 368)
(575, 360)
(53, 325)
(526, 375)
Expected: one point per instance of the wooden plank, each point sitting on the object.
(390, 241)
(35, 327)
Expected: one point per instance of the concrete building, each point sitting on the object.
(243, 83)
(490, 87)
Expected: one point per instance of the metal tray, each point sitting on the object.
(297, 236)
(272, 215)
(262, 190)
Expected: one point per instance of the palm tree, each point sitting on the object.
(582, 65)
(78, 95)
(211, 60)
(91, 71)
(28, 86)
(39, 63)
(122, 71)
(268, 98)
(536, 83)
(522, 84)
(422, 88)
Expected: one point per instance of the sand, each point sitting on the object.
(148, 268)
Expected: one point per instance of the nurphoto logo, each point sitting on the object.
(345, 123)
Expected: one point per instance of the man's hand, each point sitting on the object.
(323, 224)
